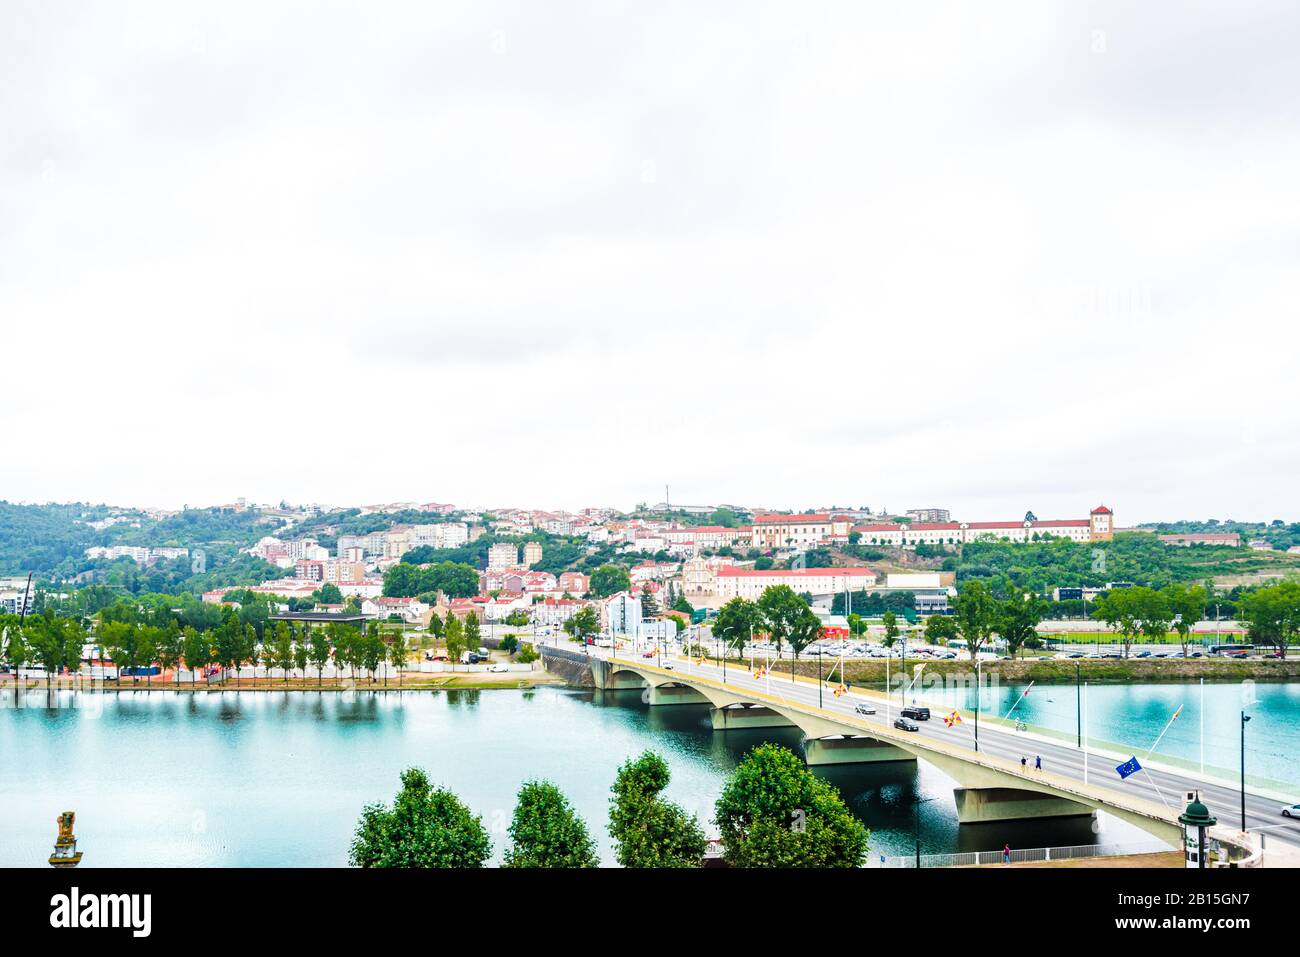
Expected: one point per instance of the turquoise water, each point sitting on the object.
(1133, 715)
(279, 778)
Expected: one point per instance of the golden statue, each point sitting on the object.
(65, 846)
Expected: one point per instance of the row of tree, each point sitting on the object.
(57, 644)
(772, 812)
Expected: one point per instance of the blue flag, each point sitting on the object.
(1129, 767)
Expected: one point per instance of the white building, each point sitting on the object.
(621, 615)
(503, 555)
(733, 582)
(1098, 526)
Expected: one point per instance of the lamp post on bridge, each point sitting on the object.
(1244, 718)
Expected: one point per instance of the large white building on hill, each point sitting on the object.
(1098, 526)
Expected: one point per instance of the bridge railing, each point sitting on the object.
(1021, 854)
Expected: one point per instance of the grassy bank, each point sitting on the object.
(1063, 671)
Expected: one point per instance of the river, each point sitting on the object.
(279, 778)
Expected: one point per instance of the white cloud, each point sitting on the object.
(993, 259)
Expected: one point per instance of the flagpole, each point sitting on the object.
(1018, 700)
(1202, 727)
(1166, 728)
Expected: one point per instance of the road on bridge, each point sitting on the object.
(1156, 785)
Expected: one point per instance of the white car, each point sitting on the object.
(1291, 810)
(499, 667)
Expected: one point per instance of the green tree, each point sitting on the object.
(301, 655)
(74, 639)
(426, 827)
(892, 631)
(737, 622)
(283, 651)
(774, 812)
(453, 579)
(1018, 618)
(473, 635)
(197, 652)
(610, 580)
(329, 594)
(976, 612)
(1272, 615)
(783, 614)
(585, 622)
(1187, 604)
(1134, 611)
(647, 830)
(320, 652)
(46, 645)
(454, 636)
(940, 629)
(546, 831)
(397, 657)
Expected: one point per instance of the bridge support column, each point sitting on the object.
(823, 751)
(747, 716)
(675, 694)
(985, 805)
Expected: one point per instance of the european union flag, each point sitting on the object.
(1129, 767)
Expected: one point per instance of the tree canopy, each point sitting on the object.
(427, 826)
(774, 812)
(546, 831)
(649, 831)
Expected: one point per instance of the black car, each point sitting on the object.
(903, 724)
(916, 712)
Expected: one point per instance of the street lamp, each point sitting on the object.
(1198, 816)
(1244, 718)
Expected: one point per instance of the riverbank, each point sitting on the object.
(413, 682)
(1058, 670)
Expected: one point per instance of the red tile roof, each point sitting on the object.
(730, 571)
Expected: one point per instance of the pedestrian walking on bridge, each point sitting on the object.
(1038, 762)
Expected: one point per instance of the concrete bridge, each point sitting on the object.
(991, 788)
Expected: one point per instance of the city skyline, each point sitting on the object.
(1071, 511)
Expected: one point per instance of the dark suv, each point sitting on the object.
(916, 712)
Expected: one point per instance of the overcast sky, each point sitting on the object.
(987, 257)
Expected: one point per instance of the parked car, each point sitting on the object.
(916, 712)
(903, 724)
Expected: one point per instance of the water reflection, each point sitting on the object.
(279, 777)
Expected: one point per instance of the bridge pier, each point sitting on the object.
(985, 805)
(747, 716)
(851, 750)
